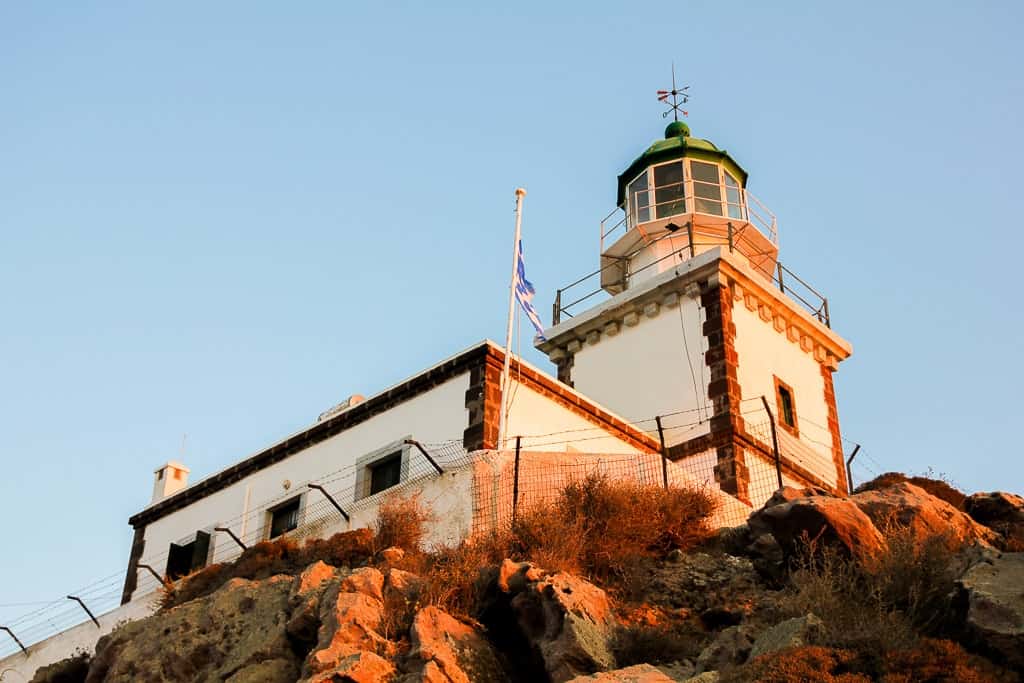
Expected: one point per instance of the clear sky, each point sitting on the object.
(219, 219)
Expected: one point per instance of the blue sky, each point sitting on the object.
(220, 219)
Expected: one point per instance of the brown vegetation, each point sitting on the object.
(876, 603)
(401, 523)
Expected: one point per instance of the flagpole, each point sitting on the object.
(520, 193)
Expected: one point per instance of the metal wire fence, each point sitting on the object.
(496, 483)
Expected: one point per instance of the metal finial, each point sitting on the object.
(679, 96)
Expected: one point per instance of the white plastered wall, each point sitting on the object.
(546, 425)
(434, 416)
(763, 354)
(653, 368)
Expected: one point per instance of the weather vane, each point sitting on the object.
(676, 94)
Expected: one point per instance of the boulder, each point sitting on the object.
(831, 520)
(348, 625)
(797, 632)
(910, 506)
(993, 591)
(639, 673)
(450, 651)
(1002, 512)
(390, 556)
(706, 677)
(238, 627)
(368, 581)
(359, 667)
(731, 647)
(569, 622)
(270, 671)
(514, 576)
(403, 583)
(313, 579)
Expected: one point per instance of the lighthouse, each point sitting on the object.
(693, 318)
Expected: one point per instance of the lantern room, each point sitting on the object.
(679, 198)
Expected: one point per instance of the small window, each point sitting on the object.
(187, 558)
(385, 473)
(284, 518)
(786, 402)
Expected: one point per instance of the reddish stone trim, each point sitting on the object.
(724, 388)
(833, 427)
(483, 401)
(564, 396)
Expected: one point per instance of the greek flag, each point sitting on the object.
(525, 292)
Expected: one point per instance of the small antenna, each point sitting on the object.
(676, 94)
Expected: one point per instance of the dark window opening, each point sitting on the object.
(187, 558)
(284, 518)
(786, 400)
(385, 473)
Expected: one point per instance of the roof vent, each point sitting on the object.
(351, 401)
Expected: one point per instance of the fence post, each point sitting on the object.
(689, 234)
(664, 456)
(231, 533)
(556, 308)
(87, 610)
(849, 472)
(11, 634)
(778, 269)
(419, 446)
(775, 440)
(730, 236)
(515, 482)
(330, 498)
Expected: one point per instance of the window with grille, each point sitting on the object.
(284, 518)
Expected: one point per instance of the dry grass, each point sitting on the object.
(875, 605)
(401, 523)
(600, 527)
(810, 664)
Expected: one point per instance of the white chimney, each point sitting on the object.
(168, 479)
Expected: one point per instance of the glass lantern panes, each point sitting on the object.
(669, 190)
(639, 200)
(706, 189)
(733, 200)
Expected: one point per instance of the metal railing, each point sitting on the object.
(636, 212)
(780, 276)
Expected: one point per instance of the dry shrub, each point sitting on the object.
(937, 487)
(661, 644)
(401, 523)
(877, 604)
(345, 549)
(601, 526)
(809, 664)
(942, 660)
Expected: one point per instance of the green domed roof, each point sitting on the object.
(677, 145)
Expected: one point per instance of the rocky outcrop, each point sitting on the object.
(639, 673)
(567, 620)
(730, 648)
(838, 521)
(237, 633)
(448, 651)
(1002, 512)
(993, 591)
(912, 508)
(797, 632)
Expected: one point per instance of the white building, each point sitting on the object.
(690, 340)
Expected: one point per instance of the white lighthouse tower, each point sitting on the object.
(692, 317)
